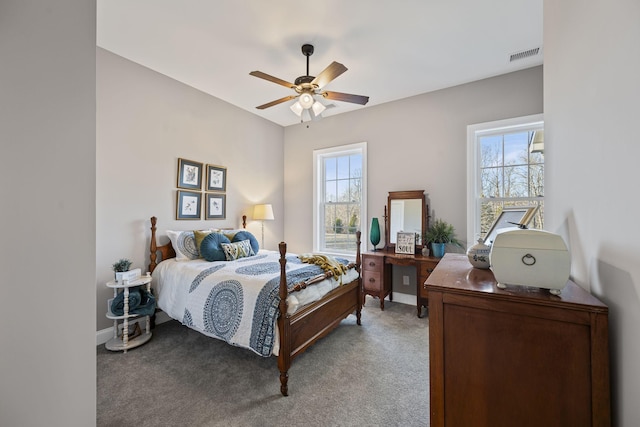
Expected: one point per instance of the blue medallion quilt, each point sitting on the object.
(237, 301)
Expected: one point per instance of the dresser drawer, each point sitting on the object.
(372, 280)
(425, 270)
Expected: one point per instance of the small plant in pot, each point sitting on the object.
(120, 267)
(439, 234)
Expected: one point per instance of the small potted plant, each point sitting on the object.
(439, 234)
(120, 267)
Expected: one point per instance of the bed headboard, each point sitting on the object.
(166, 251)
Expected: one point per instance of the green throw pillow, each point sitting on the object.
(199, 235)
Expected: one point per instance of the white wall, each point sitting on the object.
(418, 143)
(145, 122)
(47, 182)
(591, 93)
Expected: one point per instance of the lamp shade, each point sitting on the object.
(297, 109)
(263, 212)
(318, 108)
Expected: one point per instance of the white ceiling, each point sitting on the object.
(393, 49)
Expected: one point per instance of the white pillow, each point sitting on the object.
(184, 243)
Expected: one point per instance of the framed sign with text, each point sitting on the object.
(406, 243)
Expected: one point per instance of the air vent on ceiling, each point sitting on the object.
(523, 54)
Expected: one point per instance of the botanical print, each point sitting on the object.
(189, 205)
(190, 175)
(215, 206)
(216, 179)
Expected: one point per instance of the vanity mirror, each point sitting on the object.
(406, 211)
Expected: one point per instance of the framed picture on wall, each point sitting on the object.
(216, 178)
(216, 205)
(188, 205)
(189, 174)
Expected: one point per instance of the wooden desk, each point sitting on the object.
(514, 357)
(376, 274)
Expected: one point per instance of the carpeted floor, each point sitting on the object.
(376, 374)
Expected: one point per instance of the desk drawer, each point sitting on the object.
(372, 280)
(372, 263)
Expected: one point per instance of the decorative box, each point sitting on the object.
(128, 275)
(534, 258)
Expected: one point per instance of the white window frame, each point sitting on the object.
(318, 204)
(474, 132)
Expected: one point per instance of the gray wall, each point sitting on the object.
(418, 143)
(47, 181)
(591, 93)
(145, 122)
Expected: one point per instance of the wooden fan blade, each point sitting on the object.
(346, 97)
(331, 72)
(265, 76)
(276, 102)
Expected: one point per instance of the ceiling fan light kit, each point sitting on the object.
(307, 87)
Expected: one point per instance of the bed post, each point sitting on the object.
(154, 247)
(360, 290)
(284, 356)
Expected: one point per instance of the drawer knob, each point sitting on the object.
(371, 279)
(372, 264)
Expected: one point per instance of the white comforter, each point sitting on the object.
(236, 301)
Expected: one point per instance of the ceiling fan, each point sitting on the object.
(306, 87)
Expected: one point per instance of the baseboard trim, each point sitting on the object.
(398, 297)
(407, 299)
(104, 335)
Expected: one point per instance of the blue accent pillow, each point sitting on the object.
(211, 247)
(245, 235)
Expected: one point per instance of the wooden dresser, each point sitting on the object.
(376, 274)
(514, 357)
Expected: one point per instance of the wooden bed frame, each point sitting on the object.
(308, 324)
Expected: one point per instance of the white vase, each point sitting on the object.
(479, 255)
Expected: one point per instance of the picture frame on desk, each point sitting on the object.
(405, 243)
(518, 217)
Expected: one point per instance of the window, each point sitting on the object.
(339, 198)
(506, 172)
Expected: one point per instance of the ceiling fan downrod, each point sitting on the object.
(307, 50)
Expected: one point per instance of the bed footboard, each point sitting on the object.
(307, 325)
